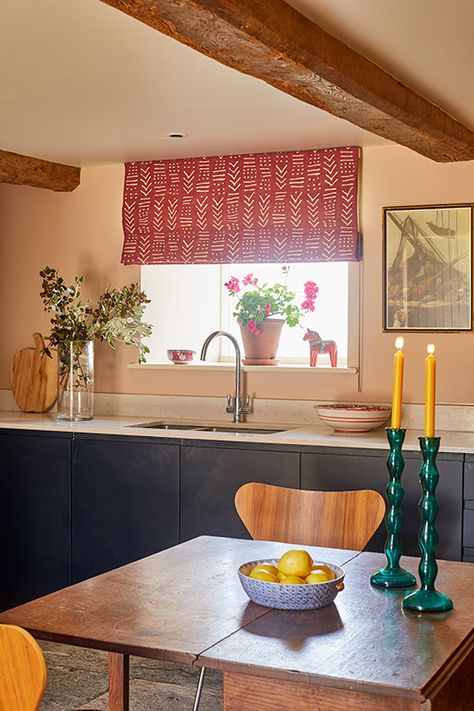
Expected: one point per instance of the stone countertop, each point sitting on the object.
(297, 435)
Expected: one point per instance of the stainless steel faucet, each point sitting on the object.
(237, 404)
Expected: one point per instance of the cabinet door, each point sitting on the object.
(210, 476)
(337, 471)
(35, 555)
(124, 501)
(468, 553)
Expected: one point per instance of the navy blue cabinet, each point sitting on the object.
(211, 474)
(343, 469)
(35, 518)
(468, 529)
(124, 501)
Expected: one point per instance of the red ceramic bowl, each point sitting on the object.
(181, 356)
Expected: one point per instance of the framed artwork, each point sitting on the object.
(428, 268)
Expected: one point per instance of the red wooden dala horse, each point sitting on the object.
(317, 346)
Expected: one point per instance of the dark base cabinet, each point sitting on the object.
(35, 523)
(361, 469)
(468, 528)
(125, 501)
(210, 476)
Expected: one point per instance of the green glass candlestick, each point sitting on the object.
(392, 576)
(427, 598)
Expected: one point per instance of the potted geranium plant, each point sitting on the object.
(76, 324)
(257, 311)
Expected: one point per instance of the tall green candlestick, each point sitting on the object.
(392, 576)
(427, 598)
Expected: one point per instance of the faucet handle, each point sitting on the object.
(230, 403)
(246, 405)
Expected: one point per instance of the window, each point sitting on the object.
(190, 301)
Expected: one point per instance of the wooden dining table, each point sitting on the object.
(186, 605)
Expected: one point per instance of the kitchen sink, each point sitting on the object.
(232, 429)
(166, 426)
(240, 430)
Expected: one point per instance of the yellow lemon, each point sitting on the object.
(280, 576)
(295, 562)
(263, 575)
(318, 576)
(326, 568)
(266, 566)
(292, 580)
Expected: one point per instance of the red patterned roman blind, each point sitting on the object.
(265, 207)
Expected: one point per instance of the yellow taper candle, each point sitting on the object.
(398, 363)
(430, 391)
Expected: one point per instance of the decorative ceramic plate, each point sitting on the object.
(290, 597)
(353, 417)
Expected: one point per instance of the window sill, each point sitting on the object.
(217, 367)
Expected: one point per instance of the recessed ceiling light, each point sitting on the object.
(176, 134)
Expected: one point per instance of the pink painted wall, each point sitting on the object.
(80, 233)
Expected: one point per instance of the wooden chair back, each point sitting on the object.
(22, 670)
(331, 519)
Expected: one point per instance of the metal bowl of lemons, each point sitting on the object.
(293, 582)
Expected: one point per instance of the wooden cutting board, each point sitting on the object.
(34, 377)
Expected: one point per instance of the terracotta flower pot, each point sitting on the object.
(261, 348)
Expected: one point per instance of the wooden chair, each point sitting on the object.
(331, 519)
(22, 670)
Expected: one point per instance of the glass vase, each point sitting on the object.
(75, 380)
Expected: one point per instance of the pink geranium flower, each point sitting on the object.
(233, 285)
(268, 308)
(249, 280)
(311, 289)
(308, 305)
(251, 325)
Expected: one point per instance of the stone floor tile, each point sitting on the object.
(149, 696)
(77, 679)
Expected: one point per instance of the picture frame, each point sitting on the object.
(427, 268)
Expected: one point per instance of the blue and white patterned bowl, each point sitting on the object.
(290, 597)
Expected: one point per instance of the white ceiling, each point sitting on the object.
(82, 83)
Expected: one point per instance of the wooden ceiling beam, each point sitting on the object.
(269, 40)
(24, 170)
